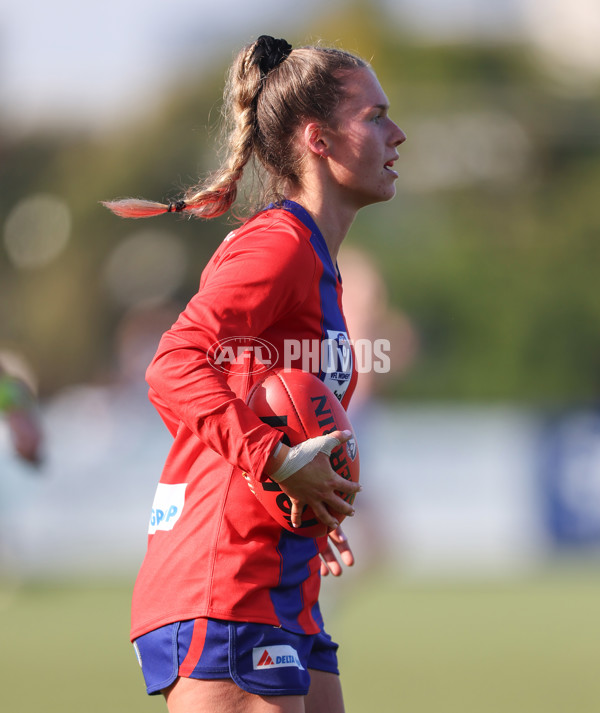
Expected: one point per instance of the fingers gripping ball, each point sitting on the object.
(302, 407)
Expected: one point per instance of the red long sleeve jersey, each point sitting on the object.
(213, 551)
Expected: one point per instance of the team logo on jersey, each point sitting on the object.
(338, 370)
(279, 656)
(167, 506)
(247, 355)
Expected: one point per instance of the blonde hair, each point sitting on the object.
(271, 89)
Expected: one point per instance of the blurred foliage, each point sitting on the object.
(490, 247)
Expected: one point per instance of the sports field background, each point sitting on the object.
(477, 582)
(527, 644)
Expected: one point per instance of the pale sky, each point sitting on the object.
(103, 57)
(97, 61)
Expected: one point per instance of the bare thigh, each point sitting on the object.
(325, 694)
(190, 695)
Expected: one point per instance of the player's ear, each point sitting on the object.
(316, 139)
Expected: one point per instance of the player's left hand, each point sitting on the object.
(329, 561)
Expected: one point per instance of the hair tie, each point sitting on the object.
(178, 206)
(270, 53)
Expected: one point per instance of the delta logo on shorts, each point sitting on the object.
(275, 657)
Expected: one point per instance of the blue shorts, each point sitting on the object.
(259, 658)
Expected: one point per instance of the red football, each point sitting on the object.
(301, 406)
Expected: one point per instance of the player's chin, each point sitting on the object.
(381, 196)
(387, 187)
(385, 194)
(391, 193)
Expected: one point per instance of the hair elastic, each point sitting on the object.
(270, 53)
(176, 207)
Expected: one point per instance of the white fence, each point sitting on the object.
(447, 488)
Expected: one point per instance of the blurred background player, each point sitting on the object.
(18, 406)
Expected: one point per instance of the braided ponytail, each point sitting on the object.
(216, 195)
(270, 90)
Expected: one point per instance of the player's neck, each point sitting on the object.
(333, 222)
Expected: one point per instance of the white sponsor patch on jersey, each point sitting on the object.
(167, 506)
(278, 656)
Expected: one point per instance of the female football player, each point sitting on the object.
(225, 607)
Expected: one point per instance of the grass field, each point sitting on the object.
(527, 645)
